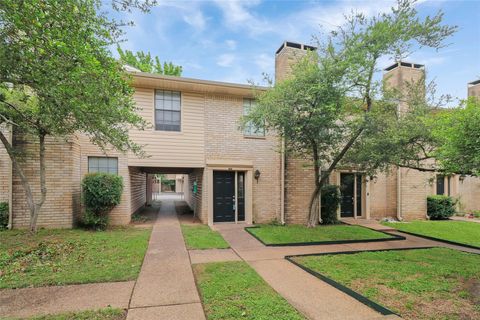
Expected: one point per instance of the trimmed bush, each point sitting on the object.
(3, 215)
(101, 193)
(440, 207)
(330, 202)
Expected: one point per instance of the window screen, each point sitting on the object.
(103, 164)
(250, 128)
(167, 110)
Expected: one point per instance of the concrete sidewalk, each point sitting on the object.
(165, 288)
(308, 294)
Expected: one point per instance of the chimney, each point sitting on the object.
(286, 56)
(400, 73)
(474, 88)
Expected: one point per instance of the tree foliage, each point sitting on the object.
(144, 62)
(59, 78)
(332, 105)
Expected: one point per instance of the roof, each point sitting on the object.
(474, 83)
(151, 80)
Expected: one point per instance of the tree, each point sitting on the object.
(458, 132)
(325, 108)
(145, 63)
(58, 78)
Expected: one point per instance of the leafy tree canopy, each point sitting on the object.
(146, 63)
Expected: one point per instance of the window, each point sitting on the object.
(441, 190)
(250, 128)
(103, 164)
(167, 110)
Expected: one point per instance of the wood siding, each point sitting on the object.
(183, 149)
(138, 189)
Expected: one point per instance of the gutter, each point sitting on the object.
(282, 183)
(10, 185)
(399, 194)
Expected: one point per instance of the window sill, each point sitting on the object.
(255, 137)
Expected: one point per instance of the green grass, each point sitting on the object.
(458, 231)
(101, 314)
(273, 234)
(200, 236)
(437, 283)
(233, 290)
(58, 257)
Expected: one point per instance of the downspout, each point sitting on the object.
(399, 194)
(10, 184)
(282, 183)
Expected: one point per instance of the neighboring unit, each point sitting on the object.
(225, 173)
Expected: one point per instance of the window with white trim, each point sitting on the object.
(167, 110)
(250, 128)
(103, 164)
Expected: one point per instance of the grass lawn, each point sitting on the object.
(200, 236)
(102, 314)
(272, 234)
(233, 290)
(57, 257)
(458, 231)
(437, 283)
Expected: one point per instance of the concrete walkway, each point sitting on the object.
(308, 294)
(165, 288)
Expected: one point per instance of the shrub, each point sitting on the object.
(101, 193)
(330, 201)
(440, 207)
(3, 215)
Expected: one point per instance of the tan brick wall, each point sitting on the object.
(5, 170)
(121, 213)
(299, 185)
(474, 90)
(138, 189)
(196, 201)
(57, 210)
(415, 187)
(469, 194)
(383, 195)
(225, 141)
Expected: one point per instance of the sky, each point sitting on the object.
(235, 41)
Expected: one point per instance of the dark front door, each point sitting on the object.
(347, 185)
(223, 196)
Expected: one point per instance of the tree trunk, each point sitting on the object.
(33, 207)
(43, 185)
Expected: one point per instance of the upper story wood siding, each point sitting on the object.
(184, 149)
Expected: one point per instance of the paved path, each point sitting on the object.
(165, 288)
(59, 299)
(311, 296)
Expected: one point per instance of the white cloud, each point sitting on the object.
(225, 60)
(195, 19)
(231, 44)
(265, 62)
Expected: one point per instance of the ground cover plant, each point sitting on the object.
(200, 236)
(233, 290)
(58, 257)
(457, 231)
(437, 283)
(276, 234)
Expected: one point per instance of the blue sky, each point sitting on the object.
(235, 41)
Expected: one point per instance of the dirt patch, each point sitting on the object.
(472, 286)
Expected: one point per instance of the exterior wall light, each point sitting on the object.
(257, 175)
(462, 177)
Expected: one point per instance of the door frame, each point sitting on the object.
(231, 165)
(365, 194)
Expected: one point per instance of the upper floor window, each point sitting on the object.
(103, 164)
(167, 110)
(250, 128)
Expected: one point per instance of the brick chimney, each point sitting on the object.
(474, 88)
(400, 73)
(286, 56)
